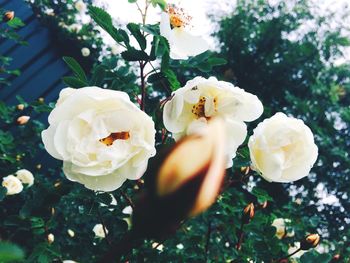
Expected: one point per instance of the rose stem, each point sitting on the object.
(296, 251)
(207, 242)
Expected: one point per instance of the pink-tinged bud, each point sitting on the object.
(23, 120)
(182, 182)
(310, 241)
(196, 158)
(8, 16)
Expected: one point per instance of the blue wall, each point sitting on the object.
(40, 62)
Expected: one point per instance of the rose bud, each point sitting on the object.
(336, 258)
(20, 107)
(23, 120)
(183, 182)
(8, 16)
(248, 213)
(310, 241)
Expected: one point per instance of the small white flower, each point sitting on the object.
(50, 238)
(12, 184)
(99, 231)
(295, 247)
(70, 233)
(116, 49)
(180, 246)
(282, 149)
(101, 136)
(281, 228)
(157, 246)
(85, 52)
(25, 176)
(69, 261)
(74, 28)
(175, 26)
(113, 203)
(127, 210)
(201, 99)
(80, 6)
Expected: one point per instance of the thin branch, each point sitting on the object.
(143, 85)
(208, 241)
(103, 226)
(290, 255)
(128, 199)
(240, 235)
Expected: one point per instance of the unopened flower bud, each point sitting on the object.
(263, 205)
(245, 170)
(23, 120)
(41, 100)
(71, 233)
(38, 166)
(20, 107)
(8, 16)
(310, 241)
(248, 213)
(184, 181)
(50, 238)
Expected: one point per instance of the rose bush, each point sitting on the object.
(102, 138)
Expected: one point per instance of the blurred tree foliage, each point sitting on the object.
(290, 66)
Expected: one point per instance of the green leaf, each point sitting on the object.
(261, 195)
(74, 82)
(15, 23)
(171, 76)
(76, 68)
(132, 1)
(10, 252)
(136, 32)
(98, 76)
(161, 3)
(3, 192)
(104, 20)
(215, 61)
(135, 55)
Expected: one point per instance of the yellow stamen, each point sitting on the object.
(108, 141)
(178, 18)
(199, 109)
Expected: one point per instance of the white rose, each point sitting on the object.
(12, 184)
(281, 228)
(175, 26)
(85, 52)
(80, 6)
(101, 136)
(99, 232)
(282, 149)
(201, 99)
(25, 176)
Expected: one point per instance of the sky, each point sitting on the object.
(125, 12)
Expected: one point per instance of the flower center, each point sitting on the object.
(108, 141)
(199, 109)
(178, 18)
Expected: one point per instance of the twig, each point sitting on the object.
(143, 85)
(240, 235)
(208, 242)
(292, 254)
(128, 199)
(103, 226)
